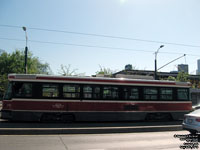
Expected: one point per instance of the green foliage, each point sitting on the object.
(104, 71)
(14, 63)
(195, 84)
(170, 78)
(182, 77)
(3, 84)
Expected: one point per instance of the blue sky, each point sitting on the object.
(168, 21)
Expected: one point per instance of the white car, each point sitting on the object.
(191, 122)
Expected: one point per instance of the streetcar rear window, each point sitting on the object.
(50, 90)
(183, 94)
(22, 89)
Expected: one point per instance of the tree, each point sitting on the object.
(182, 77)
(104, 71)
(170, 78)
(68, 71)
(14, 63)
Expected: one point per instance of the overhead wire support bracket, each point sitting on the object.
(171, 61)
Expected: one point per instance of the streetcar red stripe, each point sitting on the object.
(90, 106)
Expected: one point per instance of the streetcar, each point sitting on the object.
(32, 97)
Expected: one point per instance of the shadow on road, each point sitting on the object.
(7, 124)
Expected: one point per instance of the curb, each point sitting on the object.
(90, 130)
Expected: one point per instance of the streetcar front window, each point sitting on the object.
(22, 89)
(8, 94)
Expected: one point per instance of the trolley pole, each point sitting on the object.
(25, 52)
(156, 53)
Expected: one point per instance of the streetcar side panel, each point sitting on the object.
(33, 101)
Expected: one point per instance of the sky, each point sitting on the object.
(87, 34)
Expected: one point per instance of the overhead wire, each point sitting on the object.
(104, 36)
(95, 46)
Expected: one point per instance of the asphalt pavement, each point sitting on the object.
(125, 141)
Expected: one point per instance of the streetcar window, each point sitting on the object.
(166, 94)
(131, 93)
(150, 93)
(22, 89)
(96, 92)
(87, 92)
(110, 92)
(8, 94)
(182, 94)
(91, 92)
(50, 90)
(71, 91)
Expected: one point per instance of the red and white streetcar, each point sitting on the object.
(59, 98)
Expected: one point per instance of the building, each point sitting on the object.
(128, 67)
(183, 68)
(145, 74)
(198, 67)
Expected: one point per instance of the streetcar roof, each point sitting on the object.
(94, 80)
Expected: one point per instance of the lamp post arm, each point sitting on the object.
(171, 62)
(156, 53)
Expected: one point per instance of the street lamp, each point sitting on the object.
(155, 73)
(26, 51)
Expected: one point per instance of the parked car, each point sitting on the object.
(191, 122)
(195, 107)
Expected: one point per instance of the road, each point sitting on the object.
(123, 141)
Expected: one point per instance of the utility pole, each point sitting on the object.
(26, 51)
(156, 53)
